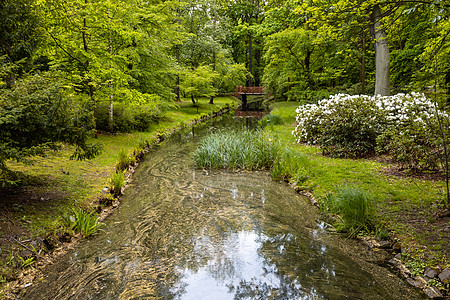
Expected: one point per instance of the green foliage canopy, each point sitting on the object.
(37, 114)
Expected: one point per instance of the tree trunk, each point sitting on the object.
(86, 67)
(177, 82)
(111, 112)
(362, 71)
(307, 61)
(258, 64)
(177, 89)
(10, 81)
(447, 85)
(382, 57)
(250, 60)
(111, 87)
(211, 99)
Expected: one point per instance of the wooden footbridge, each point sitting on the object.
(255, 105)
(249, 90)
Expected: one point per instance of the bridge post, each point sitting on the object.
(244, 101)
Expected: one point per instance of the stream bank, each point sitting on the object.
(239, 234)
(34, 212)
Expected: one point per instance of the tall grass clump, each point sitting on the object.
(117, 182)
(123, 161)
(243, 149)
(291, 165)
(354, 208)
(86, 223)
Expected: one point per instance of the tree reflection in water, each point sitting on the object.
(183, 233)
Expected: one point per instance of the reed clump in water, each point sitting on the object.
(245, 149)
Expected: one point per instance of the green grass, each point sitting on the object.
(396, 199)
(366, 173)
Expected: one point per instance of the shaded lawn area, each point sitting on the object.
(408, 206)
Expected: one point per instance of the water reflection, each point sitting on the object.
(183, 233)
(237, 269)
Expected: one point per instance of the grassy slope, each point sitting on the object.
(405, 206)
(86, 179)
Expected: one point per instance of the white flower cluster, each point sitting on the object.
(385, 110)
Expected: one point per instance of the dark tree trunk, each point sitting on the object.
(177, 89)
(258, 65)
(10, 81)
(177, 82)
(447, 85)
(307, 61)
(244, 102)
(362, 71)
(211, 99)
(250, 60)
(308, 66)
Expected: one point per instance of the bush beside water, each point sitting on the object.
(405, 126)
(117, 182)
(86, 223)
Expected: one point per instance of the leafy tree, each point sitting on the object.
(229, 76)
(37, 114)
(115, 49)
(20, 36)
(288, 57)
(246, 42)
(198, 82)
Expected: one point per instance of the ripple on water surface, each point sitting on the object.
(183, 233)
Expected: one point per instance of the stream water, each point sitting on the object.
(186, 233)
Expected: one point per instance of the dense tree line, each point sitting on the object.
(67, 64)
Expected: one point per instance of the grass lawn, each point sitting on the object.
(405, 205)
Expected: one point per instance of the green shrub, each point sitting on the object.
(416, 141)
(354, 207)
(416, 149)
(37, 114)
(126, 118)
(342, 126)
(305, 95)
(86, 223)
(117, 182)
(355, 126)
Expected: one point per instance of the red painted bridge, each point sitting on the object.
(243, 91)
(249, 90)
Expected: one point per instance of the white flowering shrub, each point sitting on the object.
(412, 136)
(403, 125)
(343, 125)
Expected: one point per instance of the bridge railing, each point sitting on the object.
(249, 90)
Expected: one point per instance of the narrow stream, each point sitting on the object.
(185, 233)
